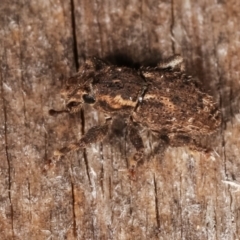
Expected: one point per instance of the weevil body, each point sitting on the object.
(163, 99)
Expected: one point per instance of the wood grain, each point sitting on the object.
(88, 195)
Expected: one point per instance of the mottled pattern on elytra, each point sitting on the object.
(173, 104)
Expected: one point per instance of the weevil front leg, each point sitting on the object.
(93, 135)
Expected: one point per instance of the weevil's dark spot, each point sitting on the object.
(88, 99)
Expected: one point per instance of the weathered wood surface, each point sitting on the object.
(185, 195)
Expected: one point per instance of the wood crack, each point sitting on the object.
(7, 155)
(74, 35)
(180, 205)
(75, 54)
(29, 198)
(156, 202)
(102, 168)
(84, 150)
(73, 209)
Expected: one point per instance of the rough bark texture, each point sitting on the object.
(88, 195)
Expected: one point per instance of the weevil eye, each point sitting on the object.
(88, 99)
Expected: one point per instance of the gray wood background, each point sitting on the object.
(88, 194)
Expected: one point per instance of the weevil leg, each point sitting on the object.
(93, 135)
(179, 140)
(137, 142)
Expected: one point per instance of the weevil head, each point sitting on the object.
(76, 95)
(79, 88)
